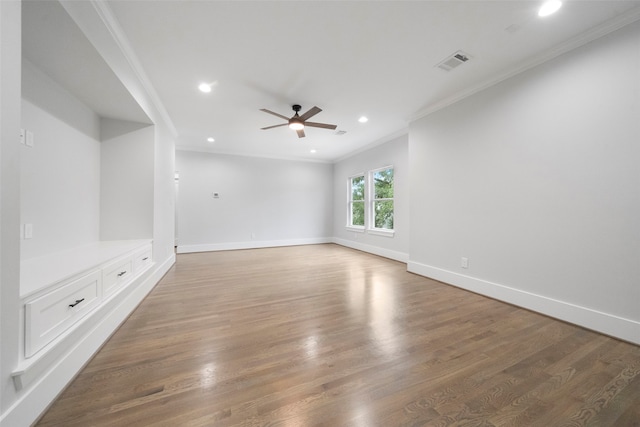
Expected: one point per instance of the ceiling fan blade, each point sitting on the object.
(275, 114)
(312, 112)
(275, 126)
(320, 125)
(300, 133)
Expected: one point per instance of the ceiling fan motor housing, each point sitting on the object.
(295, 122)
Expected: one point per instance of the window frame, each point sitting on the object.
(350, 201)
(371, 203)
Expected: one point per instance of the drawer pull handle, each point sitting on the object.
(122, 273)
(145, 258)
(78, 301)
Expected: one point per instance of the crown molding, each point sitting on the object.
(244, 154)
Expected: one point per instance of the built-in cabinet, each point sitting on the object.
(87, 201)
(62, 288)
(87, 194)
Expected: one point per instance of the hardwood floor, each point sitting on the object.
(324, 335)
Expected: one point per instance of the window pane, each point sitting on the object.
(383, 212)
(357, 188)
(357, 213)
(383, 184)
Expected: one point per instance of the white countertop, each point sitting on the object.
(37, 273)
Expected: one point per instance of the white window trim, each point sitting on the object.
(349, 226)
(368, 203)
(382, 231)
(369, 214)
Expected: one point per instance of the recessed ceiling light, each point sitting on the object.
(210, 139)
(549, 7)
(312, 151)
(207, 87)
(363, 119)
(204, 87)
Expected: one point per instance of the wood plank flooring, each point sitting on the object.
(324, 335)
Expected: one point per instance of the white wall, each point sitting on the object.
(536, 181)
(60, 184)
(263, 202)
(393, 153)
(127, 180)
(60, 174)
(10, 82)
(47, 94)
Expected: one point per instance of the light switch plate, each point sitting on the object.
(28, 231)
(22, 136)
(29, 139)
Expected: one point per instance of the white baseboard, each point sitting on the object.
(252, 244)
(376, 250)
(608, 324)
(34, 400)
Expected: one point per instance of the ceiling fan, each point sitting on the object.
(298, 122)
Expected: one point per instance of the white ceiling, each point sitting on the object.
(350, 58)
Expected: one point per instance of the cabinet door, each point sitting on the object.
(48, 316)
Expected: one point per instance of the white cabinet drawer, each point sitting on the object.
(142, 259)
(116, 274)
(51, 314)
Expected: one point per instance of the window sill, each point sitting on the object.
(355, 228)
(381, 232)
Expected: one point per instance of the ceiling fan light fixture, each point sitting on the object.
(296, 124)
(204, 87)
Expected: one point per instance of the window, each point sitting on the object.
(371, 201)
(356, 201)
(382, 199)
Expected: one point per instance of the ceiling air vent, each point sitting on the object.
(453, 61)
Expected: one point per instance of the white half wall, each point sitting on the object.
(536, 182)
(393, 153)
(261, 202)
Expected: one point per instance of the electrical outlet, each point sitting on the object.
(464, 262)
